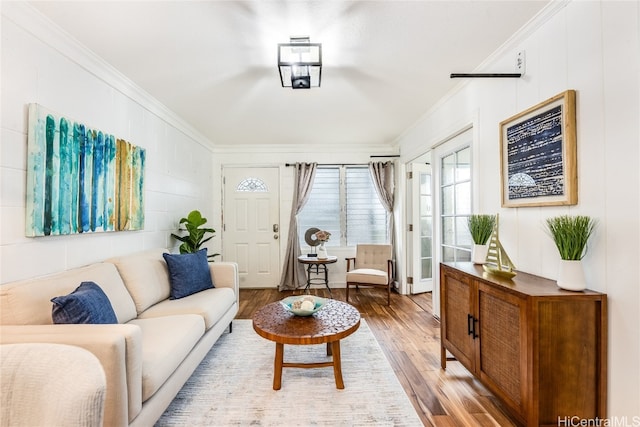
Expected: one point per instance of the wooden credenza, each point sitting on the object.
(540, 349)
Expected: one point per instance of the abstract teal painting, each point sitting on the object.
(79, 179)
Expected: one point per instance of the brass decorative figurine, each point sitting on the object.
(498, 262)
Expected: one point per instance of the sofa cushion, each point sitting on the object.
(28, 302)
(166, 342)
(188, 273)
(145, 275)
(211, 304)
(87, 304)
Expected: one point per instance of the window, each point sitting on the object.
(344, 202)
(455, 192)
(252, 185)
(426, 227)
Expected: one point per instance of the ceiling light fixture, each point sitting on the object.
(300, 63)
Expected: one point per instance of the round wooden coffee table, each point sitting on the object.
(335, 321)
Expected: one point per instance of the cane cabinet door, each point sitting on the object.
(456, 305)
(501, 360)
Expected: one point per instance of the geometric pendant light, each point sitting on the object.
(300, 63)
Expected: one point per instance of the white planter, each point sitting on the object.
(322, 252)
(571, 276)
(479, 253)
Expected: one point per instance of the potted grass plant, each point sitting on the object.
(480, 226)
(571, 234)
(197, 234)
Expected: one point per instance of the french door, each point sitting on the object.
(421, 233)
(452, 181)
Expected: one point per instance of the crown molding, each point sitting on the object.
(538, 20)
(46, 31)
(368, 149)
(550, 10)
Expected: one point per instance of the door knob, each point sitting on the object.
(275, 236)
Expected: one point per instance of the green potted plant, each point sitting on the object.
(197, 235)
(480, 226)
(571, 234)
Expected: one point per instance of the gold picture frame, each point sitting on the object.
(538, 154)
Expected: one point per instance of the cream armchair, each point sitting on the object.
(372, 266)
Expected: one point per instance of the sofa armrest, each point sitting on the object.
(118, 348)
(50, 384)
(225, 275)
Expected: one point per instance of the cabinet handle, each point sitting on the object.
(471, 326)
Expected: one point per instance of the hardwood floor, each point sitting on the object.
(410, 338)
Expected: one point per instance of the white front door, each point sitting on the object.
(251, 230)
(421, 236)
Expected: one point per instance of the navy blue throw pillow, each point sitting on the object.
(188, 273)
(87, 304)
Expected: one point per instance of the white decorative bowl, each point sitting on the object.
(303, 305)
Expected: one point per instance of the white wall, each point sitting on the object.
(592, 47)
(42, 65)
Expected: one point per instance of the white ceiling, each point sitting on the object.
(213, 63)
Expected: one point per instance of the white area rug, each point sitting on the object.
(233, 386)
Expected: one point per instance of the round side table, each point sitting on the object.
(321, 270)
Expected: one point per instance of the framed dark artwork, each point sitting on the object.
(538, 154)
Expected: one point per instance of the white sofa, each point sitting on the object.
(65, 388)
(156, 345)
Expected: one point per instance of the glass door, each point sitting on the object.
(455, 193)
(452, 203)
(422, 235)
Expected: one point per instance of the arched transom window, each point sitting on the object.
(253, 185)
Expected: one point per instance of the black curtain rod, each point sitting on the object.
(485, 75)
(338, 164)
(319, 164)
